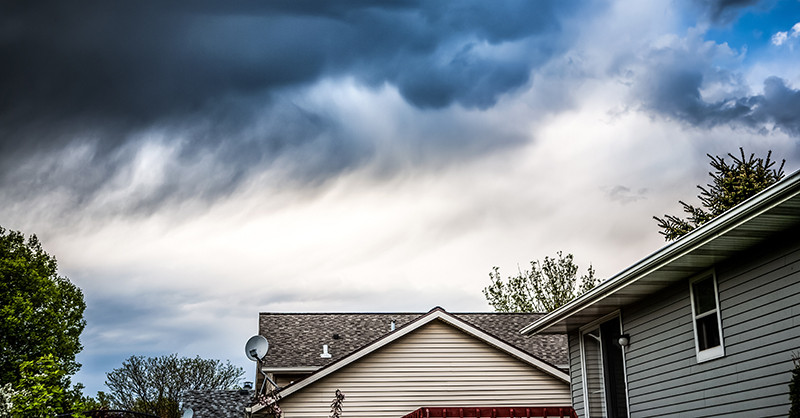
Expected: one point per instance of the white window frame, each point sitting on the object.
(586, 329)
(713, 352)
(583, 372)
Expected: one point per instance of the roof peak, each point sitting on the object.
(397, 312)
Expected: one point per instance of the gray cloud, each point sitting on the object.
(723, 11)
(683, 83)
(677, 95)
(625, 195)
(151, 61)
(217, 79)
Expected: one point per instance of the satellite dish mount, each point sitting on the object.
(256, 349)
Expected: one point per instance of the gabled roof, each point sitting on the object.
(437, 314)
(765, 215)
(296, 339)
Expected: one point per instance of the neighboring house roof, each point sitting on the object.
(458, 321)
(217, 403)
(296, 339)
(762, 216)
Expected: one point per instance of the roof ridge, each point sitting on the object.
(401, 313)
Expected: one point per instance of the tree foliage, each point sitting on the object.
(43, 390)
(545, 287)
(730, 185)
(41, 319)
(154, 385)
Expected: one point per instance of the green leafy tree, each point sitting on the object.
(730, 185)
(544, 288)
(41, 319)
(40, 392)
(154, 385)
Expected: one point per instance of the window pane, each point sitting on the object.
(704, 298)
(708, 332)
(594, 374)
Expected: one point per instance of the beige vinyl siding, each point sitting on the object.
(436, 365)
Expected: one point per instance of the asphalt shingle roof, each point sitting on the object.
(217, 403)
(296, 339)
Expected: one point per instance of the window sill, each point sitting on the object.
(710, 354)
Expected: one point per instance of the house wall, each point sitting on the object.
(759, 295)
(436, 365)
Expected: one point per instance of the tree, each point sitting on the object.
(544, 288)
(154, 385)
(41, 320)
(731, 185)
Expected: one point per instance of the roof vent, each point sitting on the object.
(392, 326)
(325, 353)
(245, 391)
(336, 337)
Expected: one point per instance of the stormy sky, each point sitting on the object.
(192, 163)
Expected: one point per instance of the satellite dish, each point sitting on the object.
(187, 413)
(256, 347)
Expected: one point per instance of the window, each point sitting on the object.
(707, 324)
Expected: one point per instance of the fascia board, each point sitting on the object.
(300, 369)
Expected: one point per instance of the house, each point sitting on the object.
(705, 326)
(391, 364)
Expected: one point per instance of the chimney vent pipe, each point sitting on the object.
(325, 353)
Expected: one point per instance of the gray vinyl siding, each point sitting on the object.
(438, 366)
(575, 375)
(759, 295)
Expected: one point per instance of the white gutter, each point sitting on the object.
(299, 369)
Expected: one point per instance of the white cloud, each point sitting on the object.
(780, 38)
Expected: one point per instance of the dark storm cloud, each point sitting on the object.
(141, 61)
(98, 73)
(674, 80)
(677, 95)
